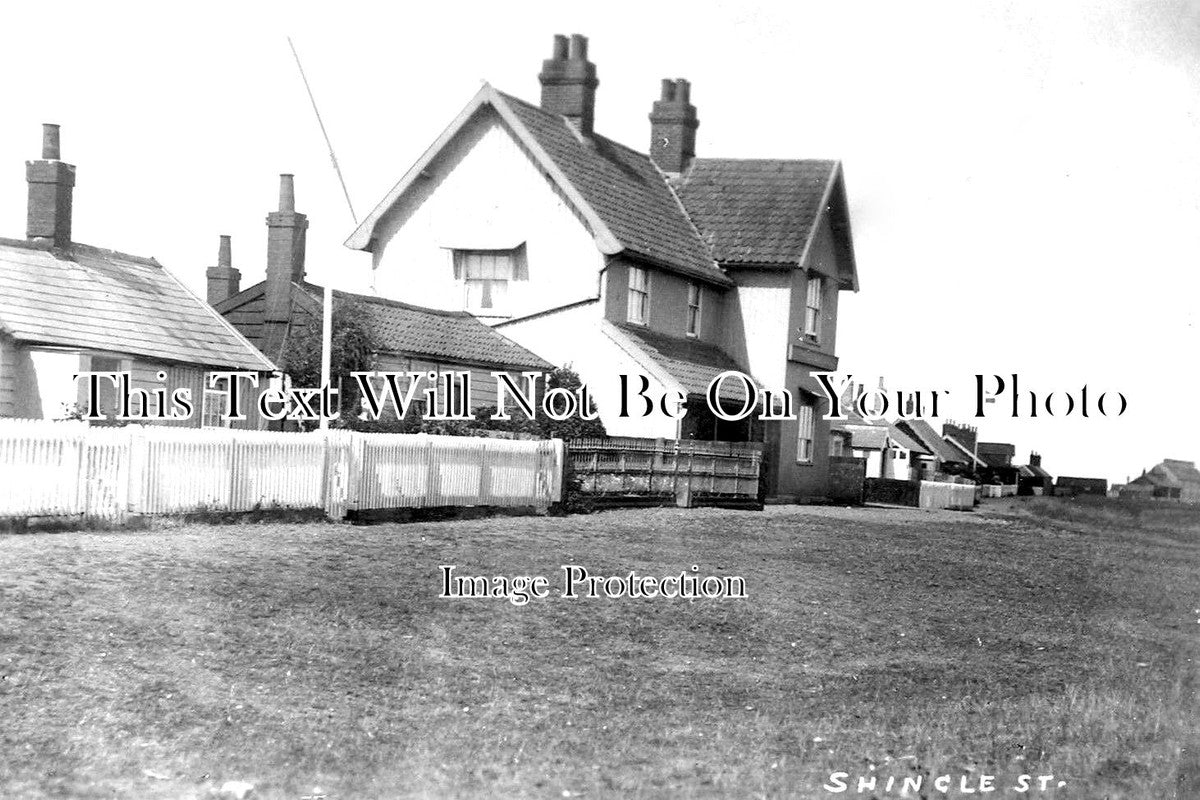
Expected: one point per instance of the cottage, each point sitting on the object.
(407, 337)
(664, 265)
(944, 459)
(1171, 479)
(67, 308)
(1032, 479)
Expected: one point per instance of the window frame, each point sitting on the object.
(806, 416)
(212, 390)
(695, 310)
(124, 364)
(515, 264)
(814, 301)
(639, 294)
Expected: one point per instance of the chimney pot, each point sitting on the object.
(287, 193)
(286, 234)
(569, 83)
(668, 89)
(560, 48)
(223, 280)
(578, 47)
(50, 144)
(683, 91)
(51, 188)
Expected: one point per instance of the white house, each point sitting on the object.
(663, 265)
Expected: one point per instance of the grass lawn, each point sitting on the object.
(317, 659)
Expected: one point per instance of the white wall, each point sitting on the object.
(485, 192)
(757, 317)
(874, 462)
(574, 338)
(56, 391)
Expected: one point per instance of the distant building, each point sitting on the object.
(1032, 479)
(997, 454)
(1171, 479)
(1068, 486)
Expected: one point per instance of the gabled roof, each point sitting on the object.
(1155, 478)
(89, 298)
(688, 365)
(621, 195)
(405, 329)
(626, 190)
(925, 433)
(1183, 471)
(1035, 471)
(867, 437)
(970, 457)
(901, 439)
(767, 211)
(418, 331)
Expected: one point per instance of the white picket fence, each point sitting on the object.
(935, 494)
(50, 469)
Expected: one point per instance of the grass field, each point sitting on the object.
(318, 659)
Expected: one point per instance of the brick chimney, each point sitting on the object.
(1035, 460)
(966, 435)
(223, 280)
(285, 252)
(673, 124)
(51, 186)
(569, 83)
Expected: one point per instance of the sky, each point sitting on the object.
(1024, 177)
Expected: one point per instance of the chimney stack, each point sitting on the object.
(285, 252)
(223, 280)
(1035, 460)
(673, 124)
(51, 187)
(569, 83)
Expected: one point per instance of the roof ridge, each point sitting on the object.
(765, 160)
(90, 249)
(686, 215)
(387, 301)
(598, 136)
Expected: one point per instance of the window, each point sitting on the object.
(485, 276)
(108, 395)
(639, 295)
(693, 314)
(212, 409)
(812, 310)
(804, 436)
(837, 446)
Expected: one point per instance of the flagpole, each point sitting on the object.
(327, 299)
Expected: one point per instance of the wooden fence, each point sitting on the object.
(935, 494)
(631, 471)
(55, 469)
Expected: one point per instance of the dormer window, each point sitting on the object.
(485, 276)
(812, 308)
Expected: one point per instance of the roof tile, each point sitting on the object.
(414, 330)
(97, 299)
(625, 189)
(755, 211)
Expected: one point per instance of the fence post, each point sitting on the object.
(233, 473)
(433, 476)
(485, 473)
(558, 470)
